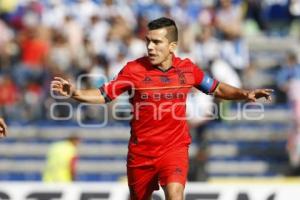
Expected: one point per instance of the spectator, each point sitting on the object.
(206, 48)
(236, 54)
(32, 96)
(97, 33)
(60, 56)
(6, 37)
(288, 80)
(136, 47)
(9, 97)
(99, 71)
(276, 17)
(54, 14)
(229, 20)
(293, 148)
(110, 9)
(234, 50)
(253, 22)
(289, 71)
(74, 35)
(83, 10)
(34, 56)
(186, 12)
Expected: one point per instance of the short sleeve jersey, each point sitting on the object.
(158, 99)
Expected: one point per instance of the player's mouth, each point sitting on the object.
(151, 56)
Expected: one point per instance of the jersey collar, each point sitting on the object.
(174, 62)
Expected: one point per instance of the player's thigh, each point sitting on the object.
(142, 181)
(173, 191)
(173, 167)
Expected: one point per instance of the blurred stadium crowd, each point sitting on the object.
(40, 39)
(249, 44)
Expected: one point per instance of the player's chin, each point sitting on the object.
(153, 61)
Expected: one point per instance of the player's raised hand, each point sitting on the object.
(260, 93)
(62, 87)
(3, 128)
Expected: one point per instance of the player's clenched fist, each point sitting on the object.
(3, 128)
(62, 86)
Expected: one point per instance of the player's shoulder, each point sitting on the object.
(138, 64)
(184, 63)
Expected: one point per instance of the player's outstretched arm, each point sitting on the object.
(3, 128)
(67, 89)
(225, 91)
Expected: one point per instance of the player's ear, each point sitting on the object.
(172, 47)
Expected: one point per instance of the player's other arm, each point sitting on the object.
(73, 166)
(221, 90)
(225, 91)
(65, 88)
(3, 128)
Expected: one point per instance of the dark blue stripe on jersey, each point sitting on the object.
(106, 97)
(207, 85)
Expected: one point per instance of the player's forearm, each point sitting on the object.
(227, 92)
(73, 166)
(88, 96)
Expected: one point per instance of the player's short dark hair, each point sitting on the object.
(165, 22)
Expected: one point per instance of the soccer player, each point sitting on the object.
(3, 128)
(158, 85)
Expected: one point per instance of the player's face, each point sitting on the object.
(158, 46)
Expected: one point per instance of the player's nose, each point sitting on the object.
(150, 46)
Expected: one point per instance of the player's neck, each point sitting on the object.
(167, 63)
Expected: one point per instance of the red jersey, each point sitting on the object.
(159, 102)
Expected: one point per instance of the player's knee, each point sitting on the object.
(174, 192)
